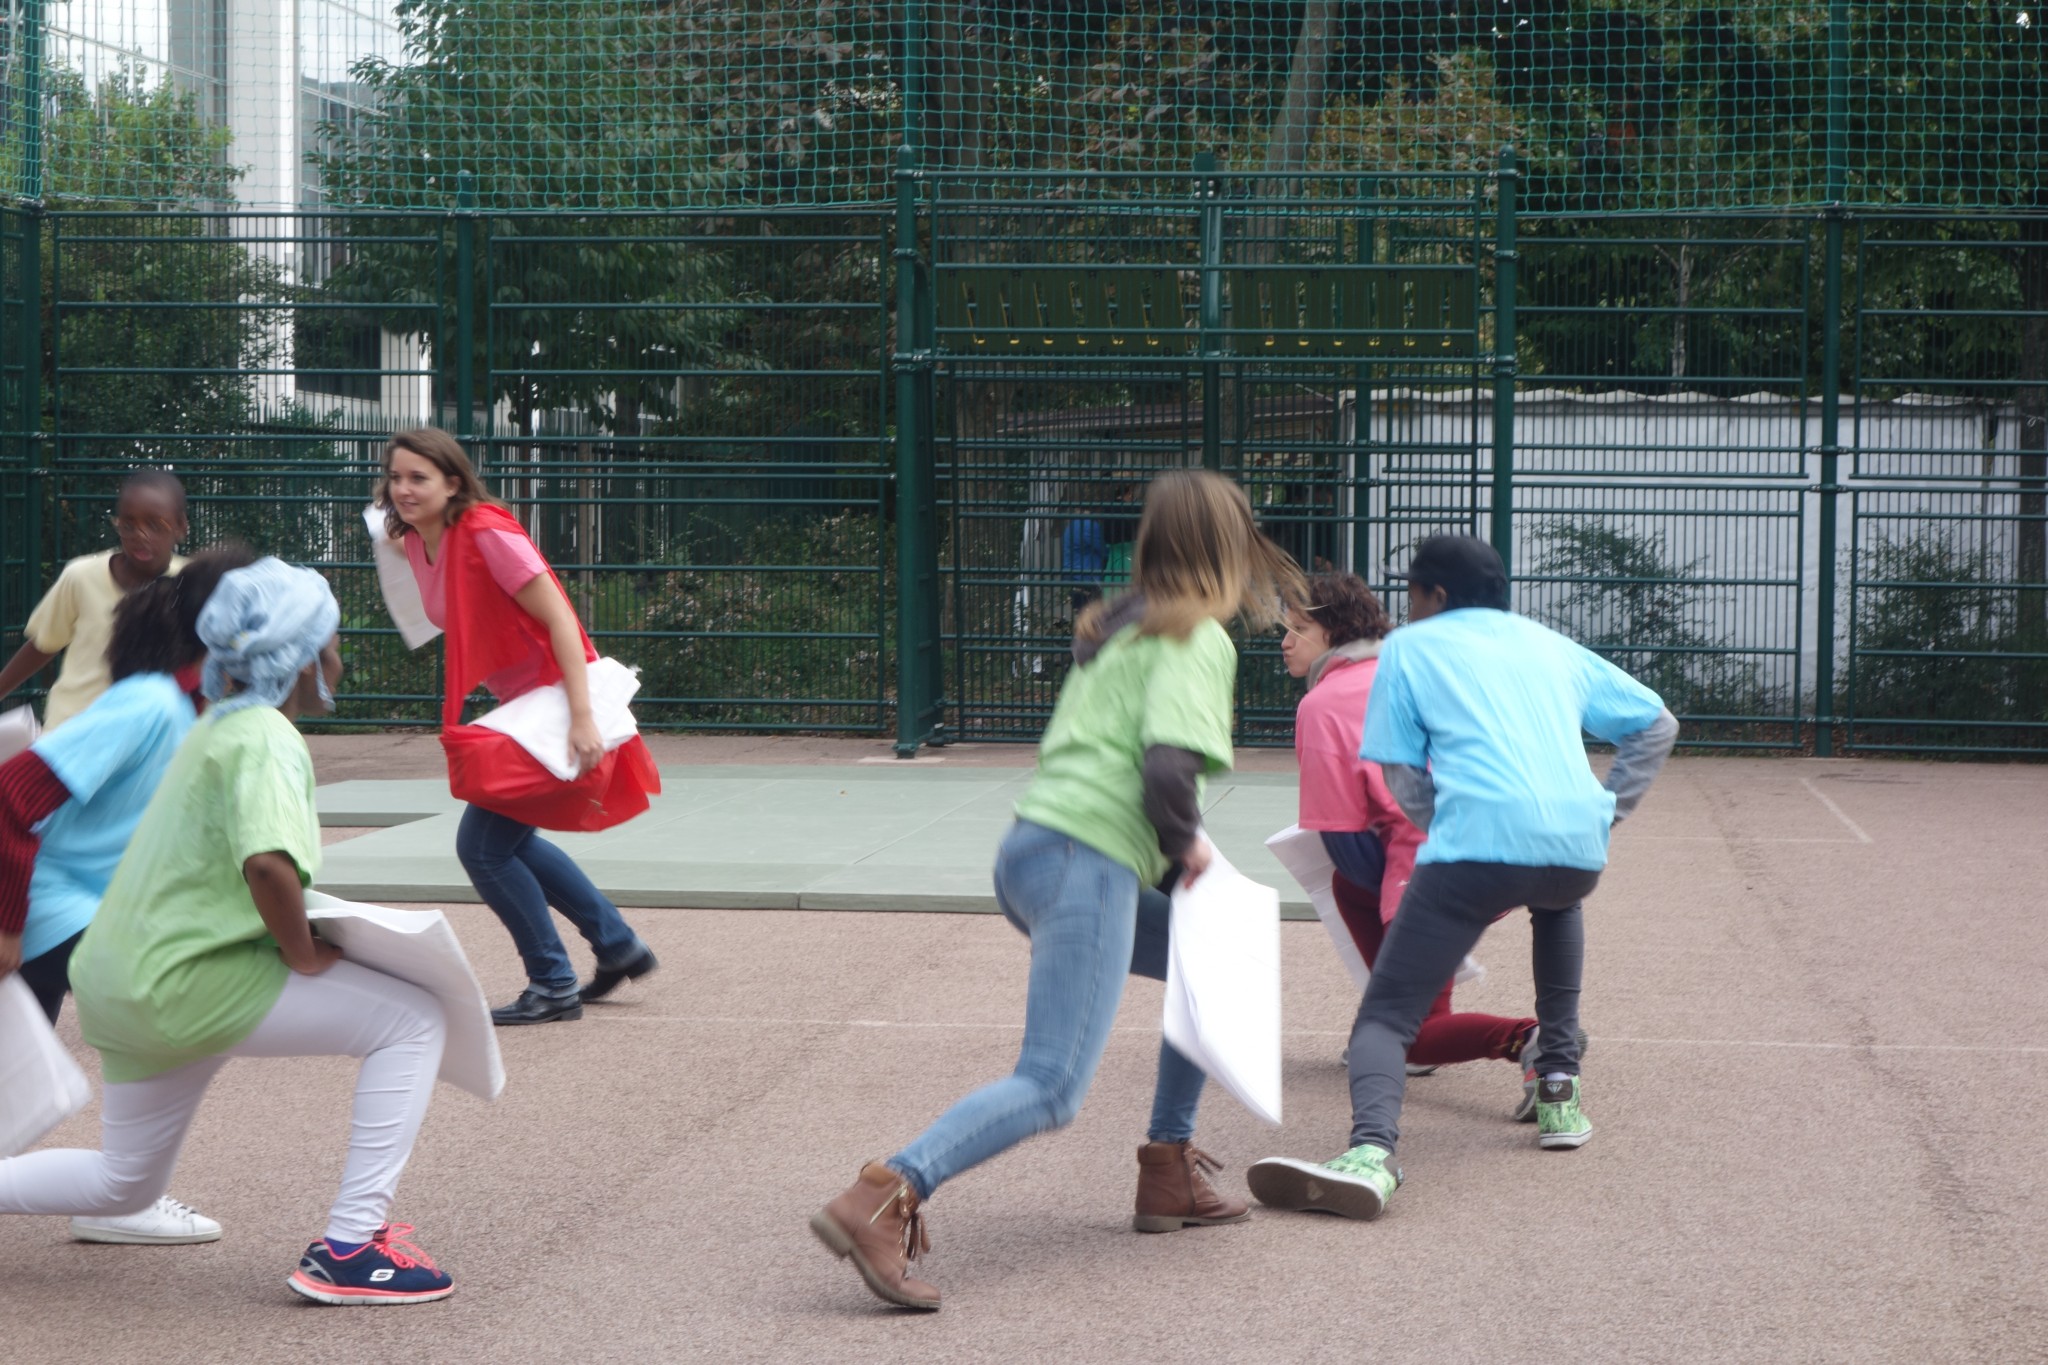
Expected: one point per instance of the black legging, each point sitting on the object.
(49, 976)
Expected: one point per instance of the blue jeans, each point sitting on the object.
(1090, 926)
(519, 874)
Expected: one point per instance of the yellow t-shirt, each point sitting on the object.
(76, 618)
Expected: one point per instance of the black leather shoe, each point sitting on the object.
(534, 1008)
(605, 980)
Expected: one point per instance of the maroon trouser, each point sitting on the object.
(1446, 1037)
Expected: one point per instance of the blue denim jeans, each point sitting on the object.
(1090, 924)
(519, 875)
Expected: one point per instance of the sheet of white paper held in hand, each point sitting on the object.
(18, 730)
(420, 946)
(1301, 852)
(40, 1086)
(1223, 984)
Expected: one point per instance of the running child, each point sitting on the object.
(70, 804)
(1335, 643)
(1477, 718)
(511, 627)
(201, 952)
(76, 617)
(1113, 809)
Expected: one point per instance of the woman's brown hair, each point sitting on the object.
(446, 454)
(1346, 608)
(1200, 557)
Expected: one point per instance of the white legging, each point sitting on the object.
(346, 1011)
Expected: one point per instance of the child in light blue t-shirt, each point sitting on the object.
(1477, 718)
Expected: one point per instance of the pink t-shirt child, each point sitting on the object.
(1341, 792)
(513, 563)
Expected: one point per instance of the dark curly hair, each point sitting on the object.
(156, 627)
(1346, 609)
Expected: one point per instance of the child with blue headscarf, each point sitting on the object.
(201, 951)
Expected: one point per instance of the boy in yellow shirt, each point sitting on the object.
(76, 617)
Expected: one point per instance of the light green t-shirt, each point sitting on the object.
(177, 964)
(1140, 690)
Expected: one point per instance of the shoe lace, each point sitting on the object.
(904, 1204)
(173, 1208)
(391, 1240)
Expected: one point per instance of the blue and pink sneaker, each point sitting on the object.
(385, 1269)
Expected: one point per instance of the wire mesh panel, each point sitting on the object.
(1636, 106)
(1093, 339)
(690, 414)
(257, 358)
(1948, 642)
(1948, 645)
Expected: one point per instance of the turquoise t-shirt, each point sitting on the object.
(1140, 690)
(1494, 705)
(110, 757)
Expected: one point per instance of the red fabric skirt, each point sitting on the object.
(492, 770)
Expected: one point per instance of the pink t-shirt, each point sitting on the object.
(513, 563)
(1342, 792)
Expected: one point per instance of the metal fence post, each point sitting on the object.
(1830, 485)
(1831, 378)
(918, 665)
(1211, 321)
(465, 305)
(1504, 366)
(29, 401)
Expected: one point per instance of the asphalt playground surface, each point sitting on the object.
(1818, 999)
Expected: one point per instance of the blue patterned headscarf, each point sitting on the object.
(261, 627)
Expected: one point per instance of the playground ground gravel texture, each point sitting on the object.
(1818, 998)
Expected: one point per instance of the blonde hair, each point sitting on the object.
(446, 454)
(1201, 557)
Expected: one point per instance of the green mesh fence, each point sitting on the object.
(1628, 106)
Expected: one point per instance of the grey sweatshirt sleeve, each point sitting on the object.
(1170, 800)
(1637, 760)
(1415, 790)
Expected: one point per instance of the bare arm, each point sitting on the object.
(274, 883)
(26, 663)
(544, 602)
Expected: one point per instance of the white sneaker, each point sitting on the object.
(164, 1223)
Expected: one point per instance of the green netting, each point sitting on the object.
(1616, 105)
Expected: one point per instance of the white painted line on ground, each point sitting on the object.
(1604, 1039)
(1730, 839)
(1837, 811)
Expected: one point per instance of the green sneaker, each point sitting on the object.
(1560, 1123)
(1354, 1185)
(1525, 1108)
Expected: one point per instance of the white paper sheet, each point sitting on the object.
(539, 719)
(40, 1086)
(18, 730)
(1301, 852)
(1223, 984)
(401, 590)
(420, 946)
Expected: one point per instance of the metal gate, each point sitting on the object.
(1085, 336)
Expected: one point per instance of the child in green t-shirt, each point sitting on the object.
(201, 951)
(1114, 809)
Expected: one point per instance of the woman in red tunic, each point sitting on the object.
(512, 628)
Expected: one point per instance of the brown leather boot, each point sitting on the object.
(1174, 1192)
(877, 1223)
